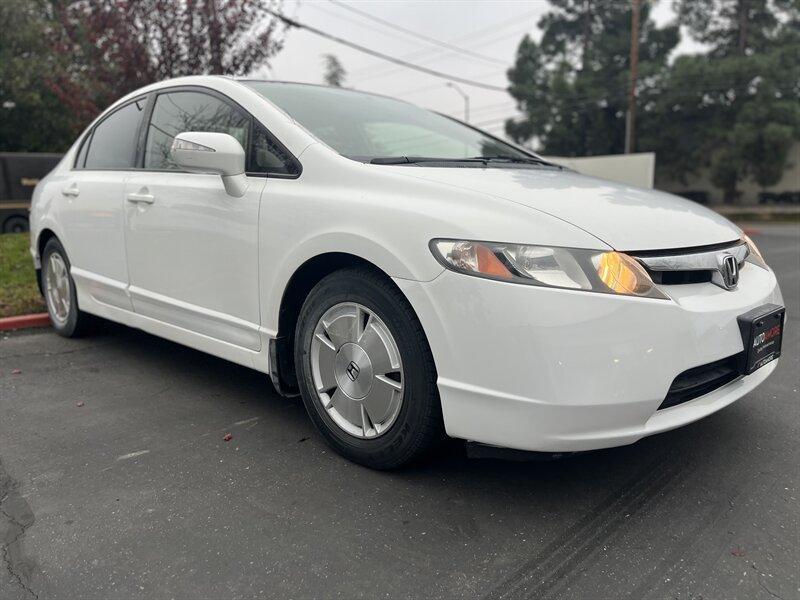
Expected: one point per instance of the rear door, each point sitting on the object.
(192, 249)
(93, 207)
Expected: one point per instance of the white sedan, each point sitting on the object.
(409, 276)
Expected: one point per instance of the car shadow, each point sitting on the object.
(239, 385)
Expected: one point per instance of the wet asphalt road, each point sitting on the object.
(116, 483)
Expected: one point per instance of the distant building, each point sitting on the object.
(699, 188)
(635, 169)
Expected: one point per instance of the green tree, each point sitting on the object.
(735, 110)
(734, 26)
(334, 71)
(32, 118)
(572, 86)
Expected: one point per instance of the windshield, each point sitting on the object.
(365, 126)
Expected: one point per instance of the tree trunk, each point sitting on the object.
(743, 7)
(587, 32)
(730, 194)
(214, 39)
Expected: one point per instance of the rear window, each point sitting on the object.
(112, 144)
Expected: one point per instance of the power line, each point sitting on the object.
(487, 109)
(429, 87)
(472, 37)
(335, 15)
(390, 70)
(497, 120)
(371, 52)
(584, 105)
(420, 36)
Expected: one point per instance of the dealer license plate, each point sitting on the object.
(762, 334)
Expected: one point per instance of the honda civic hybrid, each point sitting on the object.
(408, 276)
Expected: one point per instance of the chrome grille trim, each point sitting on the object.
(693, 261)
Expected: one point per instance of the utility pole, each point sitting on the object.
(630, 121)
(464, 95)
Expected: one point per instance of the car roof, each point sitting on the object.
(319, 85)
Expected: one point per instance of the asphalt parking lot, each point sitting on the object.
(115, 482)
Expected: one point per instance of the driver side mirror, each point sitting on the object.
(207, 152)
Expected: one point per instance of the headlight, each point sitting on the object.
(754, 256)
(565, 268)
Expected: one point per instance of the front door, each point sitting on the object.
(192, 249)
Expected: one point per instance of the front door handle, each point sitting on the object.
(140, 198)
(71, 191)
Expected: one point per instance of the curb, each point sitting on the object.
(25, 322)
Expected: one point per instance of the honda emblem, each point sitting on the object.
(729, 270)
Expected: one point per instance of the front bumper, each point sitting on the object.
(551, 370)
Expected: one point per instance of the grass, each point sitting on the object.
(19, 294)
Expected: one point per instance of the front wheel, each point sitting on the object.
(365, 370)
(59, 292)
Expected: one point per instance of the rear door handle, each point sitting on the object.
(140, 198)
(71, 191)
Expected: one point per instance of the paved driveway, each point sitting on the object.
(116, 483)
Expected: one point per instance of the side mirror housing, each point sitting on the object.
(208, 152)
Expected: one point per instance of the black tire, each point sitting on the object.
(15, 224)
(418, 427)
(77, 322)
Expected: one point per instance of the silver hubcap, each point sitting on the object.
(357, 371)
(56, 283)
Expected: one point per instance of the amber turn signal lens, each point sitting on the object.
(474, 257)
(489, 264)
(623, 275)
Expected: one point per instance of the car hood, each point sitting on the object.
(625, 217)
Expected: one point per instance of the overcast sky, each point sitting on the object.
(490, 28)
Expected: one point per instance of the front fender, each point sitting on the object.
(388, 259)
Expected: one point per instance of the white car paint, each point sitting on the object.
(581, 371)
(626, 218)
(519, 366)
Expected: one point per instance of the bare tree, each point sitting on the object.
(115, 46)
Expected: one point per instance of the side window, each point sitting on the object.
(176, 112)
(80, 162)
(113, 141)
(268, 156)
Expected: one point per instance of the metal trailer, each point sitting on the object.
(19, 174)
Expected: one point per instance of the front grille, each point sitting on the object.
(681, 277)
(701, 380)
(690, 265)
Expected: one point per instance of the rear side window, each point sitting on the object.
(80, 162)
(177, 112)
(113, 141)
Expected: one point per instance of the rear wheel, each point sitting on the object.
(59, 292)
(365, 371)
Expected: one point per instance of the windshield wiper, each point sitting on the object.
(530, 160)
(484, 160)
(405, 160)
